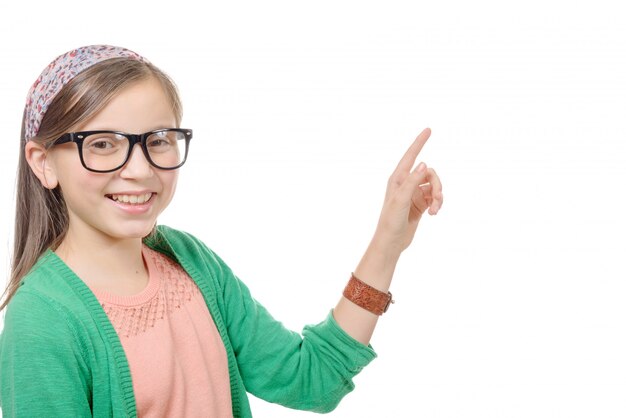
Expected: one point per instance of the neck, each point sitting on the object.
(105, 263)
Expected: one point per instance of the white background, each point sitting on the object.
(511, 301)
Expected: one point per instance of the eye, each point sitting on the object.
(104, 142)
(158, 142)
(101, 144)
(161, 139)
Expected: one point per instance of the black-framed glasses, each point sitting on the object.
(107, 151)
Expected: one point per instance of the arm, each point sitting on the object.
(41, 370)
(409, 194)
(312, 371)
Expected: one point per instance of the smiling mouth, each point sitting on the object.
(131, 199)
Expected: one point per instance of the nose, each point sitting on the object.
(137, 165)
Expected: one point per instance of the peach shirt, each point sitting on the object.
(176, 356)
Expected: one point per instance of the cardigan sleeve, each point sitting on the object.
(42, 372)
(309, 371)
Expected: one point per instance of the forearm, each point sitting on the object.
(376, 268)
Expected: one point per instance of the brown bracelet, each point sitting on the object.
(367, 297)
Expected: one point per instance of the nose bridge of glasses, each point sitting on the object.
(137, 139)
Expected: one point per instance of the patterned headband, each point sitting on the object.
(59, 73)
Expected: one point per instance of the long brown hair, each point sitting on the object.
(41, 218)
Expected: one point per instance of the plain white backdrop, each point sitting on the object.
(511, 301)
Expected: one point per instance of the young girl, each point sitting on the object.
(110, 315)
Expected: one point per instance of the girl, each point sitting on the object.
(110, 315)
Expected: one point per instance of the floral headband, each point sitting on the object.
(58, 73)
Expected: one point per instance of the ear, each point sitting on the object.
(37, 156)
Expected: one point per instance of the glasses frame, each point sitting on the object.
(133, 139)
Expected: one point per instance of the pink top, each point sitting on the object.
(176, 356)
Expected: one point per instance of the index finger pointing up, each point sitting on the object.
(407, 161)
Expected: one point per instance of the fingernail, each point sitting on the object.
(421, 167)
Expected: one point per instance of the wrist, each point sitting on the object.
(385, 247)
(377, 266)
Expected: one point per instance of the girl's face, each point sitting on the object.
(100, 204)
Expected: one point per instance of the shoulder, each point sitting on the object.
(186, 249)
(34, 320)
(48, 296)
(50, 283)
(30, 307)
(180, 243)
(50, 302)
(169, 239)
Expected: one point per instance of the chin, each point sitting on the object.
(133, 232)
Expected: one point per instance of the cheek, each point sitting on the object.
(169, 180)
(83, 190)
(76, 181)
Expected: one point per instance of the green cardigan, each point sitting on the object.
(60, 356)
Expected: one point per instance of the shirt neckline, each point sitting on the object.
(145, 295)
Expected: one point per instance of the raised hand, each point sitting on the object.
(410, 192)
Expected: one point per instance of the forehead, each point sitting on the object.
(140, 107)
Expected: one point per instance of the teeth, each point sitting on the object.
(132, 199)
